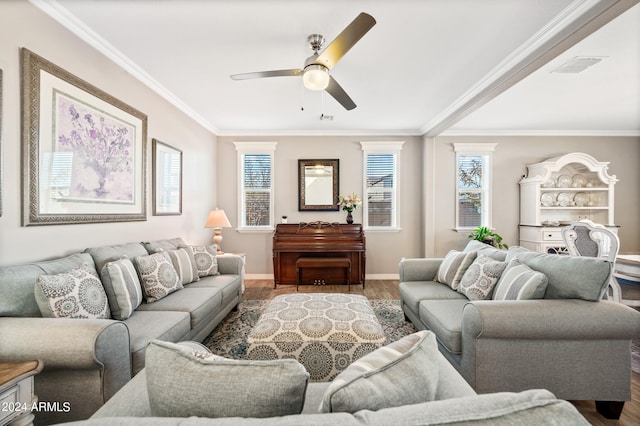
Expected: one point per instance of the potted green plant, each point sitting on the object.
(486, 235)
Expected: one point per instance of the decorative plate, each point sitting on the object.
(581, 199)
(564, 181)
(564, 199)
(551, 183)
(578, 181)
(547, 199)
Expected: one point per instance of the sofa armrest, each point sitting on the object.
(70, 344)
(550, 319)
(130, 401)
(418, 269)
(230, 264)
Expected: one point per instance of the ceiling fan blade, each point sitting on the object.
(263, 74)
(346, 40)
(338, 93)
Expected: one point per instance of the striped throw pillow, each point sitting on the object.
(184, 263)
(454, 266)
(519, 282)
(121, 283)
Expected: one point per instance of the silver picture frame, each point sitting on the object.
(84, 151)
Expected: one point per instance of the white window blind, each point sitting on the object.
(256, 195)
(381, 184)
(381, 188)
(255, 185)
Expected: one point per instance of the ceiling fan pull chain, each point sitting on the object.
(301, 95)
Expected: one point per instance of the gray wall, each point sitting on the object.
(23, 25)
(509, 164)
(384, 249)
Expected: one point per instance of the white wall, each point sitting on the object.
(23, 25)
(384, 249)
(510, 158)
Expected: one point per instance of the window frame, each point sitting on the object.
(476, 149)
(389, 148)
(255, 148)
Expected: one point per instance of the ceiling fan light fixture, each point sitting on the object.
(315, 77)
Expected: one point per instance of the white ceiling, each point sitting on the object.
(425, 67)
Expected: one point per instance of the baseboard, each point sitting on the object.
(368, 277)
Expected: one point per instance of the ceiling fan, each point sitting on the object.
(315, 73)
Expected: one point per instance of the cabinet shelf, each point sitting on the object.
(576, 208)
(572, 189)
(596, 184)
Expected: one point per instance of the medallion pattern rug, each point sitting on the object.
(229, 339)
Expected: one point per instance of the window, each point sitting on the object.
(255, 165)
(473, 184)
(380, 202)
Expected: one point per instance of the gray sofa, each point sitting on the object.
(86, 361)
(570, 341)
(453, 401)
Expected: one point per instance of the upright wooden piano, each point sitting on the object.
(292, 241)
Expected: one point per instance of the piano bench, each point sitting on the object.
(324, 263)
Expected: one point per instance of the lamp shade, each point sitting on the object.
(217, 219)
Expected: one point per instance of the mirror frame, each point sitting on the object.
(335, 186)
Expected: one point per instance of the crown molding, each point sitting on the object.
(587, 133)
(578, 20)
(60, 14)
(280, 132)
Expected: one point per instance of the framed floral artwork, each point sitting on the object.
(167, 179)
(84, 152)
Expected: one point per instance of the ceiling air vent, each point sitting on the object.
(578, 64)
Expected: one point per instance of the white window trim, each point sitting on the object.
(243, 148)
(476, 149)
(381, 147)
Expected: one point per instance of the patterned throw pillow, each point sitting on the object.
(453, 267)
(77, 293)
(122, 285)
(401, 373)
(480, 278)
(184, 263)
(519, 282)
(159, 277)
(206, 260)
(183, 382)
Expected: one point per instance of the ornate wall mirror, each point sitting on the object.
(318, 185)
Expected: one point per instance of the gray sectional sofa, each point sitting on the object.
(565, 339)
(86, 361)
(358, 396)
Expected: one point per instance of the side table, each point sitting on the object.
(16, 392)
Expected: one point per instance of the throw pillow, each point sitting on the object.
(184, 263)
(185, 382)
(401, 373)
(121, 283)
(77, 293)
(453, 267)
(206, 260)
(158, 276)
(519, 282)
(480, 278)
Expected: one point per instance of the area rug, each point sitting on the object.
(229, 338)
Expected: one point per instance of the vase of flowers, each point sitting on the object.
(349, 203)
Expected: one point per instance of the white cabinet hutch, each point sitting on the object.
(559, 191)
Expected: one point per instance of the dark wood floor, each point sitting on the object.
(388, 289)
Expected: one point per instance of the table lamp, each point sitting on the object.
(217, 220)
